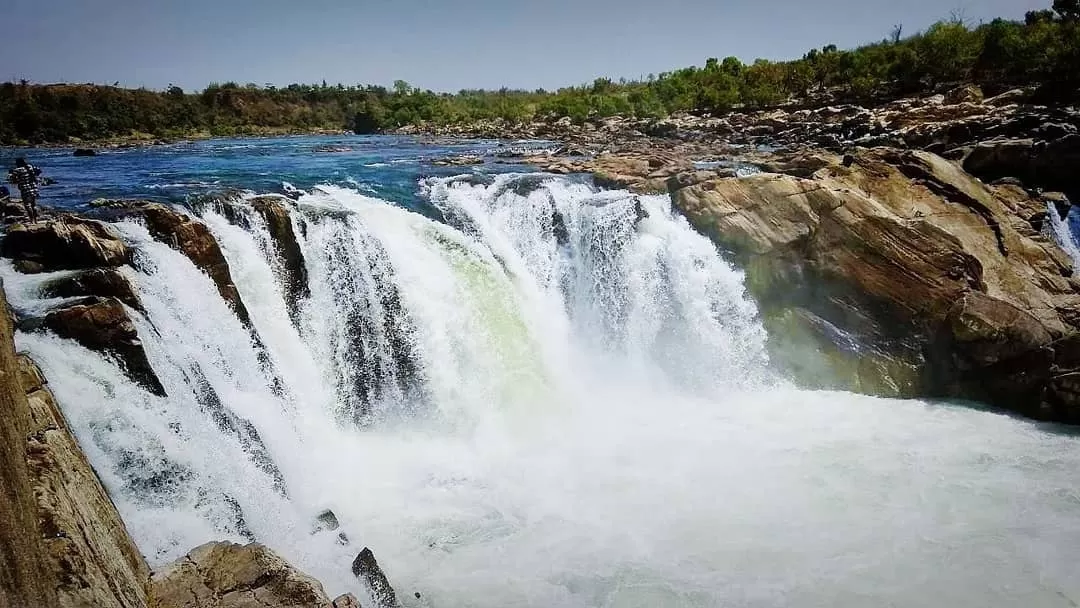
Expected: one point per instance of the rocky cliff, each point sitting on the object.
(64, 543)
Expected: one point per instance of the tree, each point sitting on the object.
(1068, 10)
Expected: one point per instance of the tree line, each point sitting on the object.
(1043, 50)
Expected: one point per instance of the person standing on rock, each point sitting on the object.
(25, 176)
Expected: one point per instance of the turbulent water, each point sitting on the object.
(551, 397)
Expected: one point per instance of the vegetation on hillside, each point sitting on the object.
(1043, 50)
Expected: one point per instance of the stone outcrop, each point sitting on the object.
(67, 243)
(276, 213)
(63, 543)
(911, 277)
(102, 324)
(87, 547)
(1043, 164)
(227, 575)
(25, 578)
(367, 569)
(104, 282)
(192, 238)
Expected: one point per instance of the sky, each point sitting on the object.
(442, 45)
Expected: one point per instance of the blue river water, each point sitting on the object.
(387, 167)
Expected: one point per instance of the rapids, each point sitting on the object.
(552, 397)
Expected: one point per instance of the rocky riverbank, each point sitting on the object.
(900, 250)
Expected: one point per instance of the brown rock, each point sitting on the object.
(905, 254)
(62, 542)
(227, 575)
(346, 601)
(97, 282)
(192, 238)
(26, 578)
(66, 243)
(102, 324)
(87, 546)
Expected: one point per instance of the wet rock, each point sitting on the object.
(84, 152)
(104, 282)
(367, 569)
(227, 575)
(276, 212)
(103, 325)
(346, 601)
(192, 238)
(65, 243)
(326, 520)
(62, 542)
(904, 254)
(459, 161)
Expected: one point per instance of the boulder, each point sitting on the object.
(103, 325)
(84, 152)
(227, 575)
(192, 238)
(276, 212)
(367, 569)
(347, 600)
(965, 94)
(104, 282)
(65, 243)
(1048, 165)
(908, 276)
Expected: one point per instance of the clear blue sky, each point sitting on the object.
(443, 45)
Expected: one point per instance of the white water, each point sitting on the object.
(587, 424)
(1062, 234)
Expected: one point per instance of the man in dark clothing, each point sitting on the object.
(25, 176)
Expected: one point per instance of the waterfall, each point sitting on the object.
(546, 395)
(1063, 233)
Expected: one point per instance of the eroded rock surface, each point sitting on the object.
(913, 276)
(102, 324)
(227, 575)
(104, 282)
(65, 243)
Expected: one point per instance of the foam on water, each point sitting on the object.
(557, 398)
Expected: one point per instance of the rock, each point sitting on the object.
(66, 243)
(326, 520)
(192, 238)
(1008, 98)
(276, 212)
(965, 94)
(11, 212)
(104, 282)
(85, 152)
(103, 325)
(459, 161)
(367, 569)
(62, 542)
(346, 601)
(902, 255)
(227, 575)
(1048, 165)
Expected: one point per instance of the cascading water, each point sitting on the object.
(558, 397)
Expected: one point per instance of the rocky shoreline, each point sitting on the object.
(903, 250)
